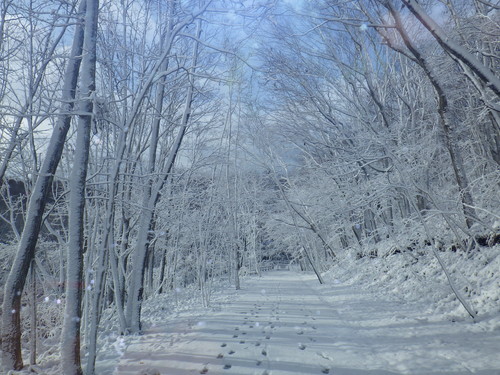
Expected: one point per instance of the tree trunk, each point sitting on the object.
(33, 319)
(70, 343)
(134, 302)
(446, 128)
(11, 322)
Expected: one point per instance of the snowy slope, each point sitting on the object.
(286, 323)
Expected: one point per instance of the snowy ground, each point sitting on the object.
(286, 323)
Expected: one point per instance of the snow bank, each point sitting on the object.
(415, 275)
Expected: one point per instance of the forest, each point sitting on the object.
(152, 145)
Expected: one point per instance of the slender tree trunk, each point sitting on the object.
(134, 302)
(70, 343)
(291, 209)
(455, 156)
(33, 317)
(11, 322)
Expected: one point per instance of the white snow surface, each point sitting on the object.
(393, 314)
(286, 323)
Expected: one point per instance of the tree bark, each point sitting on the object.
(11, 320)
(70, 343)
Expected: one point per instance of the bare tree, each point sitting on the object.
(151, 198)
(454, 48)
(70, 343)
(11, 322)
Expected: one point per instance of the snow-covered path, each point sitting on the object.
(285, 323)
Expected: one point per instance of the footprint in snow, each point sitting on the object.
(204, 370)
(223, 345)
(325, 370)
(258, 363)
(220, 355)
(227, 366)
(257, 343)
(264, 352)
(234, 336)
(268, 337)
(302, 346)
(266, 372)
(325, 356)
(231, 352)
(242, 341)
